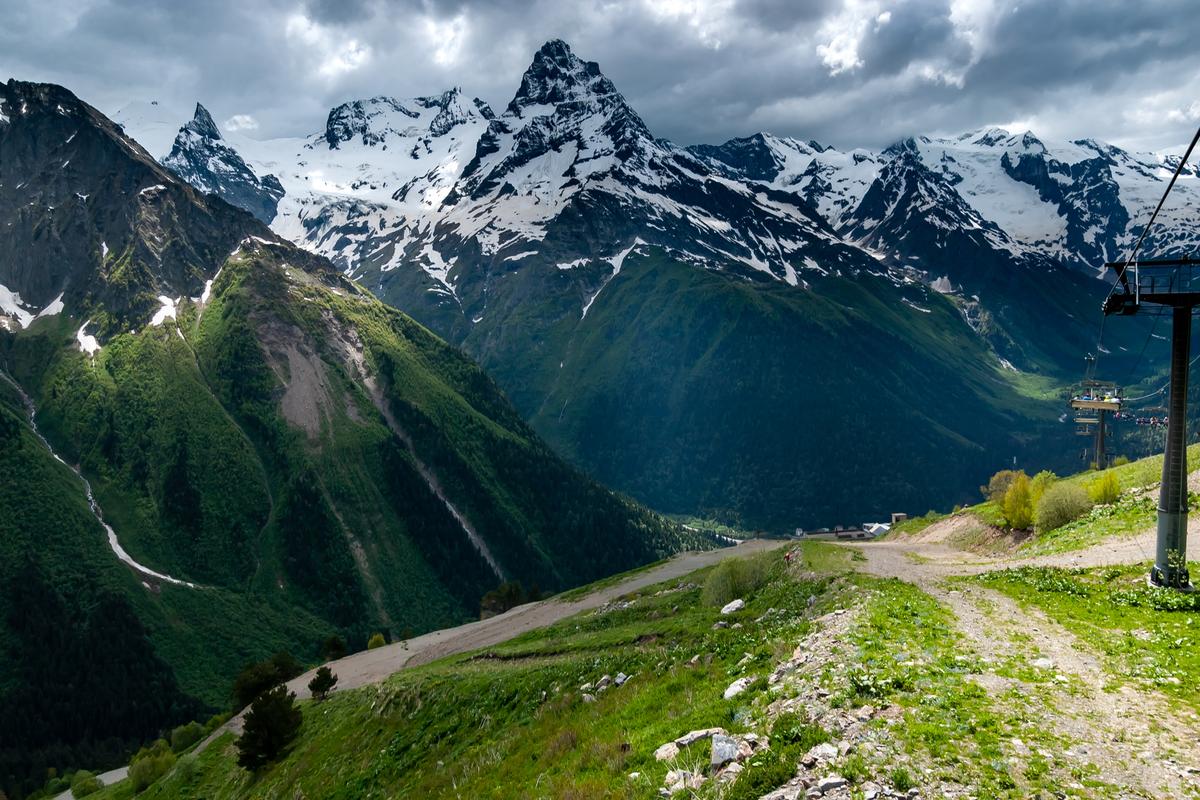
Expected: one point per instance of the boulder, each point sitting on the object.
(724, 750)
(691, 737)
(589, 698)
(733, 606)
(737, 687)
(831, 782)
(826, 751)
(666, 752)
(620, 679)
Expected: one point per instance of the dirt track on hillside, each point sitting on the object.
(1134, 736)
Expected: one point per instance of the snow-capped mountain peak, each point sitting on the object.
(202, 124)
(557, 76)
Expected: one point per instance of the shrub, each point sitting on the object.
(333, 648)
(322, 683)
(84, 783)
(790, 728)
(998, 485)
(271, 724)
(1018, 503)
(376, 641)
(734, 578)
(254, 679)
(1039, 484)
(902, 780)
(504, 597)
(1120, 461)
(149, 764)
(1105, 489)
(1062, 503)
(185, 736)
(766, 770)
(215, 721)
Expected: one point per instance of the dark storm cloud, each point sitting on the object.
(846, 72)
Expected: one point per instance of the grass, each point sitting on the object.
(512, 721)
(1128, 516)
(612, 580)
(494, 723)
(1144, 634)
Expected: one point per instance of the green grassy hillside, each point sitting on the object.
(768, 405)
(283, 446)
(852, 657)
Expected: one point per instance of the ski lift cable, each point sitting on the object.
(1121, 276)
(1157, 391)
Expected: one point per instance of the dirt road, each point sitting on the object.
(1129, 733)
(373, 666)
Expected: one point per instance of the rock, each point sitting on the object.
(589, 698)
(1043, 663)
(633, 776)
(719, 625)
(604, 682)
(831, 782)
(737, 687)
(681, 779)
(844, 747)
(621, 678)
(691, 737)
(587, 687)
(826, 751)
(733, 606)
(730, 773)
(666, 752)
(724, 750)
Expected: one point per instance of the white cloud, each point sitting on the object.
(445, 39)
(334, 55)
(241, 122)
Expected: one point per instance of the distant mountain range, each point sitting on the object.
(277, 455)
(704, 327)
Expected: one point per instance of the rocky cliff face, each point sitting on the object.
(92, 223)
(203, 159)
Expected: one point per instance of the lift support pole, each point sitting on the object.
(1167, 283)
(1170, 559)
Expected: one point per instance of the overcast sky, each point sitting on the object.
(845, 72)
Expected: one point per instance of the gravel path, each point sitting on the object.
(1130, 735)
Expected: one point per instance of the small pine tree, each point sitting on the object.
(1018, 503)
(322, 683)
(376, 641)
(271, 725)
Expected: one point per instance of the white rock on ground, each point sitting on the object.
(724, 749)
(737, 687)
(733, 606)
(666, 752)
(692, 737)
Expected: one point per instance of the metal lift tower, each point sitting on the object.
(1174, 284)
(1092, 403)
